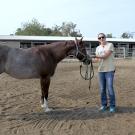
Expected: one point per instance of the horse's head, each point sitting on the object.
(79, 51)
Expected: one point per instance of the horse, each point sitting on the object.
(39, 62)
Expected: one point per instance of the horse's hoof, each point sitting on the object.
(48, 109)
(43, 106)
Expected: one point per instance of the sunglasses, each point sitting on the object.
(101, 37)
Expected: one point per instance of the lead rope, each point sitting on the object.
(89, 73)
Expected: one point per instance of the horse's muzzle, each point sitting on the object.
(87, 60)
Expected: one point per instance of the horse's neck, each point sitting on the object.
(64, 50)
(70, 49)
(59, 52)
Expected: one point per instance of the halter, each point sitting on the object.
(79, 52)
(86, 60)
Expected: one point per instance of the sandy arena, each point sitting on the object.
(75, 107)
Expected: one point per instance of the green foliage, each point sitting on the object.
(32, 28)
(109, 35)
(56, 31)
(127, 35)
(68, 29)
(36, 29)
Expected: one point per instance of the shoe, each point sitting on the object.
(112, 109)
(103, 108)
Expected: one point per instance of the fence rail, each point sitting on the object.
(120, 52)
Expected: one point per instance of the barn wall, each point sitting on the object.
(13, 44)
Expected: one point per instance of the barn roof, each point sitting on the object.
(58, 38)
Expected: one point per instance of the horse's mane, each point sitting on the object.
(51, 45)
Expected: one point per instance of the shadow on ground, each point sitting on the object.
(83, 113)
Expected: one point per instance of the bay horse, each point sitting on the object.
(39, 62)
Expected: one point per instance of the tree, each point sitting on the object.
(33, 28)
(37, 29)
(127, 35)
(56, 31)
(109, 35)
(68, 29)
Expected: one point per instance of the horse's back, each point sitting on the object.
(22, 63)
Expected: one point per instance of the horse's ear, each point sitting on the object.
(81, 39)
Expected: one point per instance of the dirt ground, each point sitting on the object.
(75, 107)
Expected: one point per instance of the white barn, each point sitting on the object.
(123, 47)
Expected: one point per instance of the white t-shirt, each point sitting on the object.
(106, 65)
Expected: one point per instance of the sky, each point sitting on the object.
(90, 16)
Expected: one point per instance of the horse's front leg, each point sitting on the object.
(45, 83)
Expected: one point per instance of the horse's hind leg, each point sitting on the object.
(45, 83)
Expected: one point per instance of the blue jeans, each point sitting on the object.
(106, 83)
